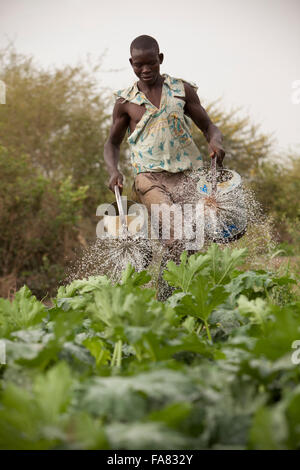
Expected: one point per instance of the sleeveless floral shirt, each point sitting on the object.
(162, 139)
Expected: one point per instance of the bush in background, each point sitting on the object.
(39, 222)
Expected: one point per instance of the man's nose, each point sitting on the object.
(146, 69)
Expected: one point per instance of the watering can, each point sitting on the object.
(123, 213)
(226, 186)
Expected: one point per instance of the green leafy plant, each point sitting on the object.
(108, 366)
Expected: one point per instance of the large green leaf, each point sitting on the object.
(132, 278)
(172, 415)
(279, 332)
(53, 392)
(153, 435)
(181, 276)
(257, 310)
(36, 420)
(269, 430)
(131, 397)
(223, 262)
(24, 311)
(98, 350)
(202, 299)
(64, 328)
(82, 286)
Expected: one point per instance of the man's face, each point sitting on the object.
(146, 64)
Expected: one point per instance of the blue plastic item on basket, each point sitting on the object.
(229, 221)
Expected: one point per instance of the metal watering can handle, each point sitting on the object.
(213, 172)
(120, 207)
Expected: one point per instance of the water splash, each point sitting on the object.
(234, 216)
(109, 255)
(224, 214)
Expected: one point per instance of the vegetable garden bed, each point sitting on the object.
(109, 367)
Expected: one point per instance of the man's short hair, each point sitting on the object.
(144, 42)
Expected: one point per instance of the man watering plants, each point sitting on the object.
(156, 112)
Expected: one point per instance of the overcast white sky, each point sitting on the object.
(245, 51)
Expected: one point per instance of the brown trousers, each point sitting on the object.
(164, 187)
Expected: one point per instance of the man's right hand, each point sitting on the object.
(116, 179)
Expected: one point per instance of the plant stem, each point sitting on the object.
(113, 360)
(138, 352)
(119, 354)
(157, 280)
(151, 350)
(208, 331)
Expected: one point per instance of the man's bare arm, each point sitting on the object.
(200, 117)
(112, 145)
